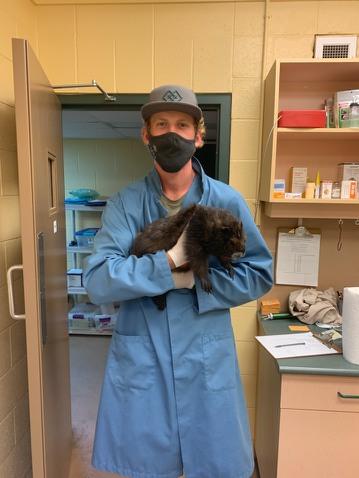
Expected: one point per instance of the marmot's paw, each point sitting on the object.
(206, 285)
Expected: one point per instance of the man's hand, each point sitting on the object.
(183, 280)
(177, 255)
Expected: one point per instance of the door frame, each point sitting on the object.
(220, 102)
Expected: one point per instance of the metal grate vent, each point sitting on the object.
(335, 46)
(335, 51)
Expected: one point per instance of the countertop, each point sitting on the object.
(316, 365)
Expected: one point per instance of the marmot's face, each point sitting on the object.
(228, 238)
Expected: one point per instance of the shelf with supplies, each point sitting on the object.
(306, 85)
(84, 318)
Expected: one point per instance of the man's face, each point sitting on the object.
(172, 122)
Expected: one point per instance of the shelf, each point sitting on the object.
(76, 290)
(318, 133)
(318, 70)
(317, 201)
(89, 331)
(79, 249)
(82, 207)
(320, 208)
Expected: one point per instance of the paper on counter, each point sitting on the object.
(279, 345)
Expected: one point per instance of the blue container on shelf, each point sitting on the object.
(85, 237)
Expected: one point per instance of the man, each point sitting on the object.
(172, 400)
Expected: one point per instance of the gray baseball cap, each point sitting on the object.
(172, 98)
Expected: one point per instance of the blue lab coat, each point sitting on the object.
(172, 399)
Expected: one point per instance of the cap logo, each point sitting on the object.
(172, 95)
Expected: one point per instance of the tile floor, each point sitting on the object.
(88, 358)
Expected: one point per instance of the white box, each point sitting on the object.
(74, 278)
(279, 188)
(342, 100)
(349, 171)
(326, 190)
(348, 190)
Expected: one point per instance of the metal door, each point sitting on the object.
(40, 163)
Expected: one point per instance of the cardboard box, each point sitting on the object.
(82, 315)
(349, 189)
(279, 188)
(326, 189)
(270, 306)
(302, 119)
(348, 171)
(298, 179)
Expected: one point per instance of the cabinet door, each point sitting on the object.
(313, 443)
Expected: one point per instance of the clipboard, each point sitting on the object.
(297, 256)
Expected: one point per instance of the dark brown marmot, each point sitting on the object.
(210, 231)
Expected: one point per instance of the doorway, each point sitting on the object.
(105, 136)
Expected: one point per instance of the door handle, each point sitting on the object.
(11, 292)
(347, 395)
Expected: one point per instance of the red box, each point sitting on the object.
(302, 119)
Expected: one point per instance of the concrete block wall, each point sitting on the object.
(17, 18)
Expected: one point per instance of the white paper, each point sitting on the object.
(297, 260)
(294, 345)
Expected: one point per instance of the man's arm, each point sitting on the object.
(112, 274)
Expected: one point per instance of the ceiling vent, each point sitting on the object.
(335, 46)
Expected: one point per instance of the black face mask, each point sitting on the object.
(171, 151)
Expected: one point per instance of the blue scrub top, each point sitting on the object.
(172, 399)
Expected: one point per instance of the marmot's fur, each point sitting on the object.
(210, 231)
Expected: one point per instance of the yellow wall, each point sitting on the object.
(106, 165)
(17, 18)
(213, 47)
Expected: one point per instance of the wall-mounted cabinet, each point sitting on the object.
(305, 85)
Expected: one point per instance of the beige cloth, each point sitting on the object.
(312, 305)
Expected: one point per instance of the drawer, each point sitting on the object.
(319, 392)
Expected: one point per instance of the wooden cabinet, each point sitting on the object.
(305, 84)
(303, 427)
